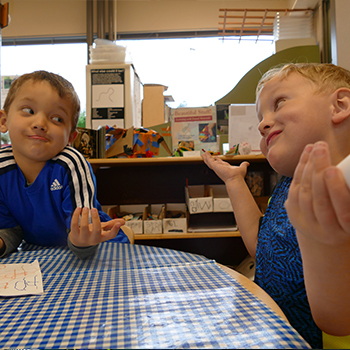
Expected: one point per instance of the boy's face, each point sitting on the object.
(291, 115)
(39, 122)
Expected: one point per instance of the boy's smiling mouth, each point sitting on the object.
(38, 137)
(272, 136)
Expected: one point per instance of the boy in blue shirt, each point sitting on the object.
(47, 188)
(297, 105)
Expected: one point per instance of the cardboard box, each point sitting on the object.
(199, 199)
(135, 225)
(221, 200)
(175, 225)
(153, 105)
(153, 226)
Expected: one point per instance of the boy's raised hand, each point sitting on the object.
(85, 234)
(224, 169)
(319, 200)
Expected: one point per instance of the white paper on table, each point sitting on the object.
(20, 279)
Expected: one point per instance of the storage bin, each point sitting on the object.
(154, 225)
(199, 199)
(135, 225)
(171, 223)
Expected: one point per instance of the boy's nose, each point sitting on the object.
(40, 122)
(264, 125)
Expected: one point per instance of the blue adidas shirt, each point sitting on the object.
(44, 209)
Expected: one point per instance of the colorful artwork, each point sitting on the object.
(144, 143)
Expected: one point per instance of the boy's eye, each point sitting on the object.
(27, 110)
(57, 119)
(278, 102)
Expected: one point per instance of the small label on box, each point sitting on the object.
(152, 226)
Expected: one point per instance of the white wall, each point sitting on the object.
(45, 18)
(340, 33)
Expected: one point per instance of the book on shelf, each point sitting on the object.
(91, 143)
(194, 129)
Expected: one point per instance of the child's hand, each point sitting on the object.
(87, 234)
(319, 199)
(225, 170)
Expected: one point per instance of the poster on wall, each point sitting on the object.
(194, 129)
(108, 97)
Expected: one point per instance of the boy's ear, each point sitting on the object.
(341, 105)
(3, 121)
(73, 136)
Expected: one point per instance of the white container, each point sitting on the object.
(135, 225)
(153, 226)
(344, 166)
(243, 126)
(199, 199)
(175, 225)
(107, 53)
(221, 201)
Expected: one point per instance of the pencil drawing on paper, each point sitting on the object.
(20, 279)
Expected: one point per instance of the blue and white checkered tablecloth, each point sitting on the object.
(133, 296)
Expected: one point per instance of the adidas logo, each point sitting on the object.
(56, 186)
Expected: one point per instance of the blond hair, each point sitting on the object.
(326, 76)
(64, 88)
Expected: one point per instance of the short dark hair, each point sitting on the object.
(64, 88)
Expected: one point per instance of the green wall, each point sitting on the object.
(244, 91)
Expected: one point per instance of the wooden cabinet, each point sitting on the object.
(163, 180)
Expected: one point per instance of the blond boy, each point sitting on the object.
(297, 105)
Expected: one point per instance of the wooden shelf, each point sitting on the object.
(188, 235)
(112, 162)
(160, 180)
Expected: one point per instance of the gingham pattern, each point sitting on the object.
(133, 296)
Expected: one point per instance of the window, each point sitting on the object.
(68, 60)
(197, 71)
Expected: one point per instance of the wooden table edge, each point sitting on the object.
(255, 289)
